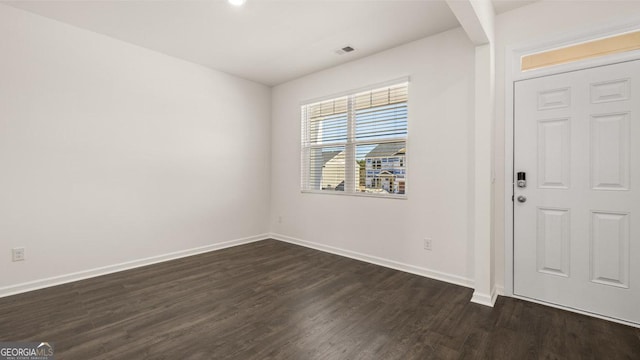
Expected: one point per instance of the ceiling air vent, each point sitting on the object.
(344, 50)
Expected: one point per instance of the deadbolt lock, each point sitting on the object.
(522, 180)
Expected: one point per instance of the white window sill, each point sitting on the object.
(357, 194)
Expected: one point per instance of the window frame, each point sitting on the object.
(351, 143)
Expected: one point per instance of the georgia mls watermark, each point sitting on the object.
(26, 351)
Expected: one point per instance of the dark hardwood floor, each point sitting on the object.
(272, 300)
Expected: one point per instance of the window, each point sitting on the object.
(586, 50)
(356, 144)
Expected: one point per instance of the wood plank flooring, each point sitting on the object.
(272, 300)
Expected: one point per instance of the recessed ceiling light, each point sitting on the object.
(237, 2)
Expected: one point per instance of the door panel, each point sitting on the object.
(610, 151)
(553, 241)
(554, 142)
(610, 249)
(576, 239)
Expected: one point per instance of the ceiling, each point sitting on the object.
(267, 41)
(501, 6)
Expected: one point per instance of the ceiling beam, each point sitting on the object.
(476, 18)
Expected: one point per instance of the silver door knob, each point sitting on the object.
(522, 198)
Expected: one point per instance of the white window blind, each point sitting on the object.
(357, 143)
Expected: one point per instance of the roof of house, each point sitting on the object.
(328, 155)
(388, 149)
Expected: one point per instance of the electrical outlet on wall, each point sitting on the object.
(279, 219)
(17, 254)
(427, 244)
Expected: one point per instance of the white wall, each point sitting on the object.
(440, 150)
(545, 20)
(111, 153)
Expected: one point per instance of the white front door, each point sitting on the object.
(576, 225)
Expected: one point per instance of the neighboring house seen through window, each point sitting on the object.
(357, 144)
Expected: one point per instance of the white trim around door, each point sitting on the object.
(512, 74)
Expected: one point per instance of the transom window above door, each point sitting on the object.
(616, 44)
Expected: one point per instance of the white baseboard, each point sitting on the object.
(433, 274)
(85, 274)
(485, 299)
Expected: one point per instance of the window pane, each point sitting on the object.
(586, 50)
(385, 96)
(382, 122)
(381, 168)
(326, 168)
(328, 121)
(328, 129)
(328, 107)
